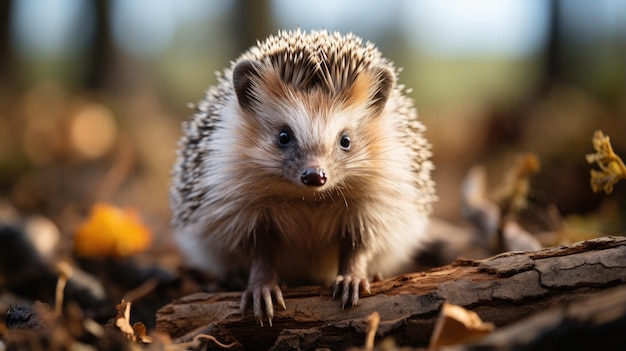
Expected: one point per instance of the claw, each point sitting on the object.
(262, 296)
(278, 295)
(243, 304)
(355, 291)
(256, 305)
(350, 287)
(365, 284)
(338, 281)
(346, 294)
(269, 306)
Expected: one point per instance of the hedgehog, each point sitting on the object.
(305, 164)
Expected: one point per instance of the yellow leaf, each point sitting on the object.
(111, 231)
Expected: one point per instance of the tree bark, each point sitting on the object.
(503, 290)
(593, 323)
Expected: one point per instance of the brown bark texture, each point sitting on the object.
(504, 289)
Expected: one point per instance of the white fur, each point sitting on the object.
(383, 215)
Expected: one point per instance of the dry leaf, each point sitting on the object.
(612, 168)
(134, 333)
(457, 325)
(141, 333)
(122, 321)
(513, 193)
(111, 231)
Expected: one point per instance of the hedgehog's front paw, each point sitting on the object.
(262, 295)
(349, 285)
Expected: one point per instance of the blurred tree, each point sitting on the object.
(551, 58)
(507, 122)
(101, 48)
(6, 53)
(253, 21)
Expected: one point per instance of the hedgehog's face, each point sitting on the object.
(310, 149)
(310, 143)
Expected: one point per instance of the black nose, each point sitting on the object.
(313, 177)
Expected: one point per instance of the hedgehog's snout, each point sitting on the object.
(313, 176)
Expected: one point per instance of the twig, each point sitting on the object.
(142, 290)
(372, 326)
(196, 342)
(65, 271)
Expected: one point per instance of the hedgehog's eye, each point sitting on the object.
(284, 138)
(345, 142)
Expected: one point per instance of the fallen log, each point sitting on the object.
(593, 323)
(503, 289)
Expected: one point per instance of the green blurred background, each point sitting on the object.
(92, 93)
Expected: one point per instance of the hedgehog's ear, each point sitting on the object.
(371, 87)
(244, 74)
(383, 80)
